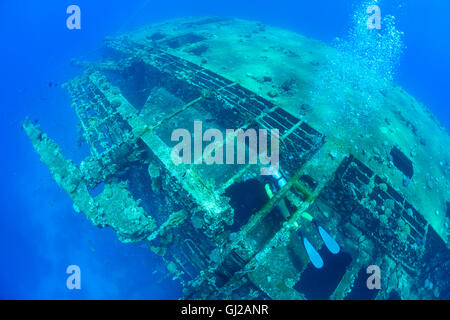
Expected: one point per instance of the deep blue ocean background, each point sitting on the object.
(40, 234)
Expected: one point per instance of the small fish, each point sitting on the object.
(91, 247)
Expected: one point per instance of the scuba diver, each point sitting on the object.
(273, 184)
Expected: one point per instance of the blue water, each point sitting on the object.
(40, 234)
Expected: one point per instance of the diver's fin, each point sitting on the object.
(313, 255)
(330, 243)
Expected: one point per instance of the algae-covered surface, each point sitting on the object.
(284, 67)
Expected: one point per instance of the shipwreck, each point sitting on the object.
(381, 188)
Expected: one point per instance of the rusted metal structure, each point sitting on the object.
(214, 226)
